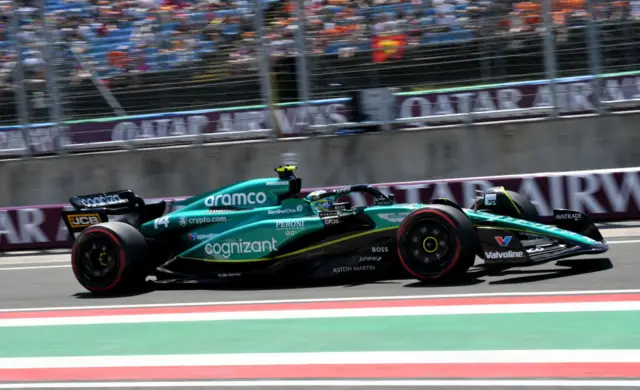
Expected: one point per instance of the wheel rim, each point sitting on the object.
(98, 261)
(429, 247)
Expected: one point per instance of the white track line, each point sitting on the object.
(34, 267)
(326, 313)
(570, 307)
(331, 383)
(313, 300)
(18, 261)
(558, 356)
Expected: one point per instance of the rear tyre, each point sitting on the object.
(437, 243)
(110, 258)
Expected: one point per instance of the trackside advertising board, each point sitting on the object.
(497, 102)
(606, 195)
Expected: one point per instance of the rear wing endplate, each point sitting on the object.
(93, 209)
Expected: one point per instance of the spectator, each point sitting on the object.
(137, 36)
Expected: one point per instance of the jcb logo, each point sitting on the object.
(83, 220)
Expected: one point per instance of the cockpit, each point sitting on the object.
(323, 201)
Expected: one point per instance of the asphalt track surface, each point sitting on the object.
(33, 282)
(46, 281)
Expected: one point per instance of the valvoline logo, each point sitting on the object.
(503, 241)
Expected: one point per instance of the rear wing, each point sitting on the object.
(93, 209)
(115, 202)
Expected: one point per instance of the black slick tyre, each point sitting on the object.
(437, 243)
(110, 258)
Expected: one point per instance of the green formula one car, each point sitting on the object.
(264, 228)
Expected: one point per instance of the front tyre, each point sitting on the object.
(437, 242)
(110, 258)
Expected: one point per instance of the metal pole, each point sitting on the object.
(111, 100)
(52, 81)
(265, 69)
(302, 72)
(594, 56)
(21, 98)
(551, 67)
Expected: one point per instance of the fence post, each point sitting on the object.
(302, 72)
(550, 64)
(21, 98)
(264, 59)
(51, 79)
(594, 56)
(111, 100)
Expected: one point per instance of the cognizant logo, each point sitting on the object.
(240, 199)
(226, 249)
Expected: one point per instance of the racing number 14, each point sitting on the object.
(164, 221)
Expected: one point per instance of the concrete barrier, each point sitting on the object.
(464, 151)
(605, 195)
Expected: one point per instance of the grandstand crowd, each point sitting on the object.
(111, 37)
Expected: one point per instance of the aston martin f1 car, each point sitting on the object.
(265, 228)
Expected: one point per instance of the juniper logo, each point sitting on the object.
(226, 249)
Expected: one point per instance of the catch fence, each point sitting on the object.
(271, 68)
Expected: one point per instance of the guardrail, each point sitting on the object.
(606, 195)
(522, 100)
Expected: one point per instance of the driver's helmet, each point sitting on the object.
(320, 205)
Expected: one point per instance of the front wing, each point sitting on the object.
(507, 248)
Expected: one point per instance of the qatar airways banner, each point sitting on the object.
(246, 119)
(606, 195)
(574, 95)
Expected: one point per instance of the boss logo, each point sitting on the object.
(83, 220)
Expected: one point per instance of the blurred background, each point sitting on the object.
(66, 62)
